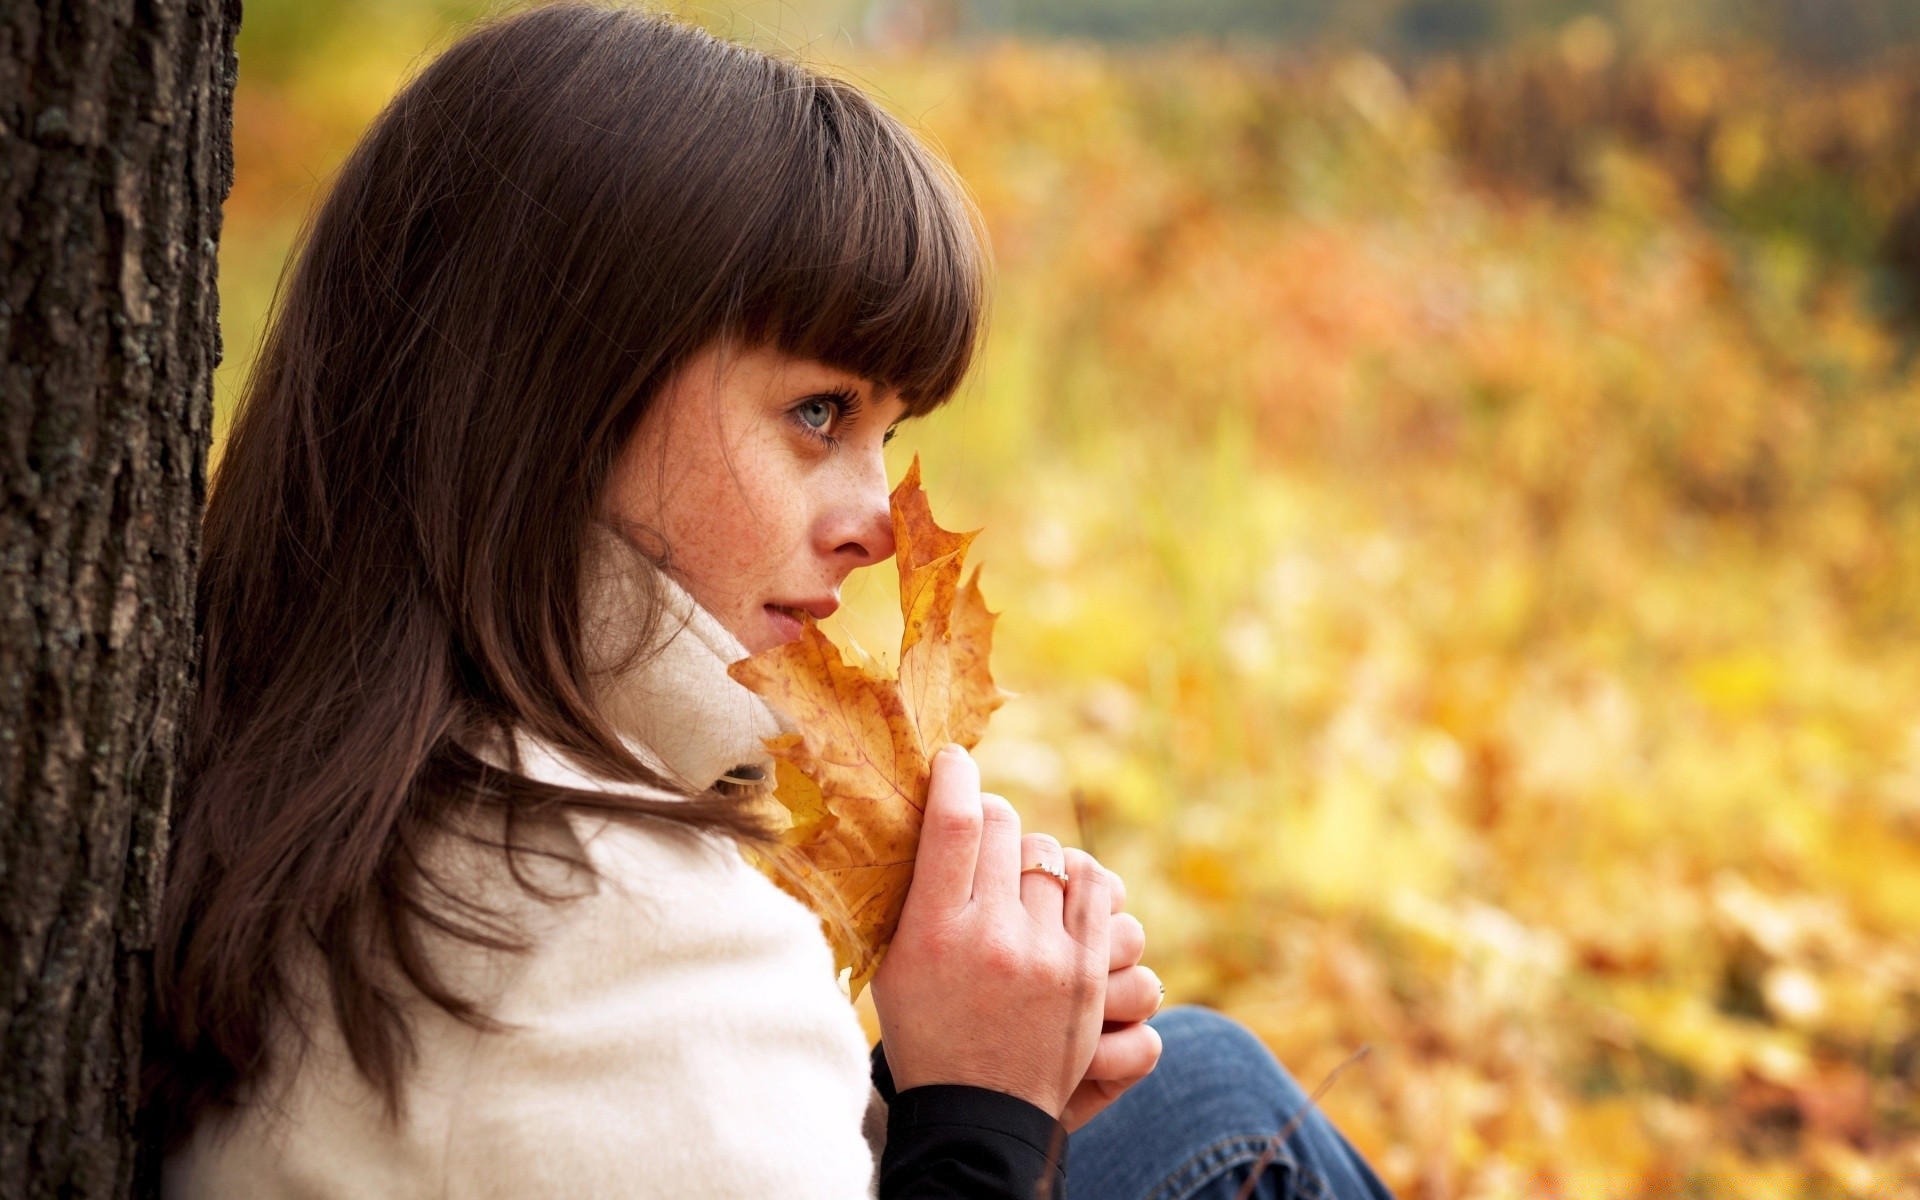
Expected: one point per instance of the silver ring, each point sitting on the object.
(1059, 873)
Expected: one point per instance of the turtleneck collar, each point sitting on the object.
(676, 708)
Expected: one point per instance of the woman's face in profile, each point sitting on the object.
(763, 475)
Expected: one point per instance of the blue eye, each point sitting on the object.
(817, 413)
(824, 416)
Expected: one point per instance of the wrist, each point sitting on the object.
(1048, 1097)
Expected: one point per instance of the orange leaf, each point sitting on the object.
(854, 778)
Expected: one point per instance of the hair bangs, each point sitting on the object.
(879, 265)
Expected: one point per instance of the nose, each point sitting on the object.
(859, 532)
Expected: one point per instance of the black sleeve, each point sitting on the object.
(947, 1141)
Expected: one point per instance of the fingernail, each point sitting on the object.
(954, 748)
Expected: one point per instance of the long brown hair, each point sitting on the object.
(537, 231)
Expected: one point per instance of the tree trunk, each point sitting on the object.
(115, 155)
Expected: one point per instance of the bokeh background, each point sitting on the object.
(1451, 473)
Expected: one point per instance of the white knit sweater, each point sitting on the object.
(676, 1030)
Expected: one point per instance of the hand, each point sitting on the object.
(995, 978)
(1129, 1048)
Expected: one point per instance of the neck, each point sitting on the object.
(672, 702)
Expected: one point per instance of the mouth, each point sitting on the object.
(789, 620)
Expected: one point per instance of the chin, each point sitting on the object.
(760, 645)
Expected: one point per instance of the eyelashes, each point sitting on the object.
(837, 408)
(834, 408)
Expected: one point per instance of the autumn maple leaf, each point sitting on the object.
(854, 778)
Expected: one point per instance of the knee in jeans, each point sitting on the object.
(1225, 1054)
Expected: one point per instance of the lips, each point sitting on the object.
(788, 620)
(785, 621)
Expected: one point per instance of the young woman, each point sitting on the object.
(576, 394)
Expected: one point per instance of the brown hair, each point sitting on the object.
(537, 231)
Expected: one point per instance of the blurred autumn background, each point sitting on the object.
(1451, 472)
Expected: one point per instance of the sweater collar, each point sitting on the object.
(676, 707)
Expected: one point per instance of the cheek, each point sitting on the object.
(732, 531)
(729, 500)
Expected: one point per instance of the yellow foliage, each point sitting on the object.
(1477, 625)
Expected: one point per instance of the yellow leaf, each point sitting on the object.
(854, 778)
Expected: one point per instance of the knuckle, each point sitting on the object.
(940, 933)
(1095, 886)
(1001, 957)
(921, 926)
(996, 808)
(1040, 845)
(1084, 969)
(1135, 1052)
(1146, 988)
(959, 819)
(1150, 985)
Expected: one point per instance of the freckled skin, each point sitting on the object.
(753, 507)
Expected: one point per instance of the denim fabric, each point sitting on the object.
(1194, 1128)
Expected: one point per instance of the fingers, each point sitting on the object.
(1133, 994)
(1043, 896)
(1089, 1099)
(996, 876)
(1089, 909)
(950, 836)
(1080, 860)
(1125, 1054)
(1126, 941)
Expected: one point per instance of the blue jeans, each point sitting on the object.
(1194, 1129)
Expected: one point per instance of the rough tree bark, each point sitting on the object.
(115, 156)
